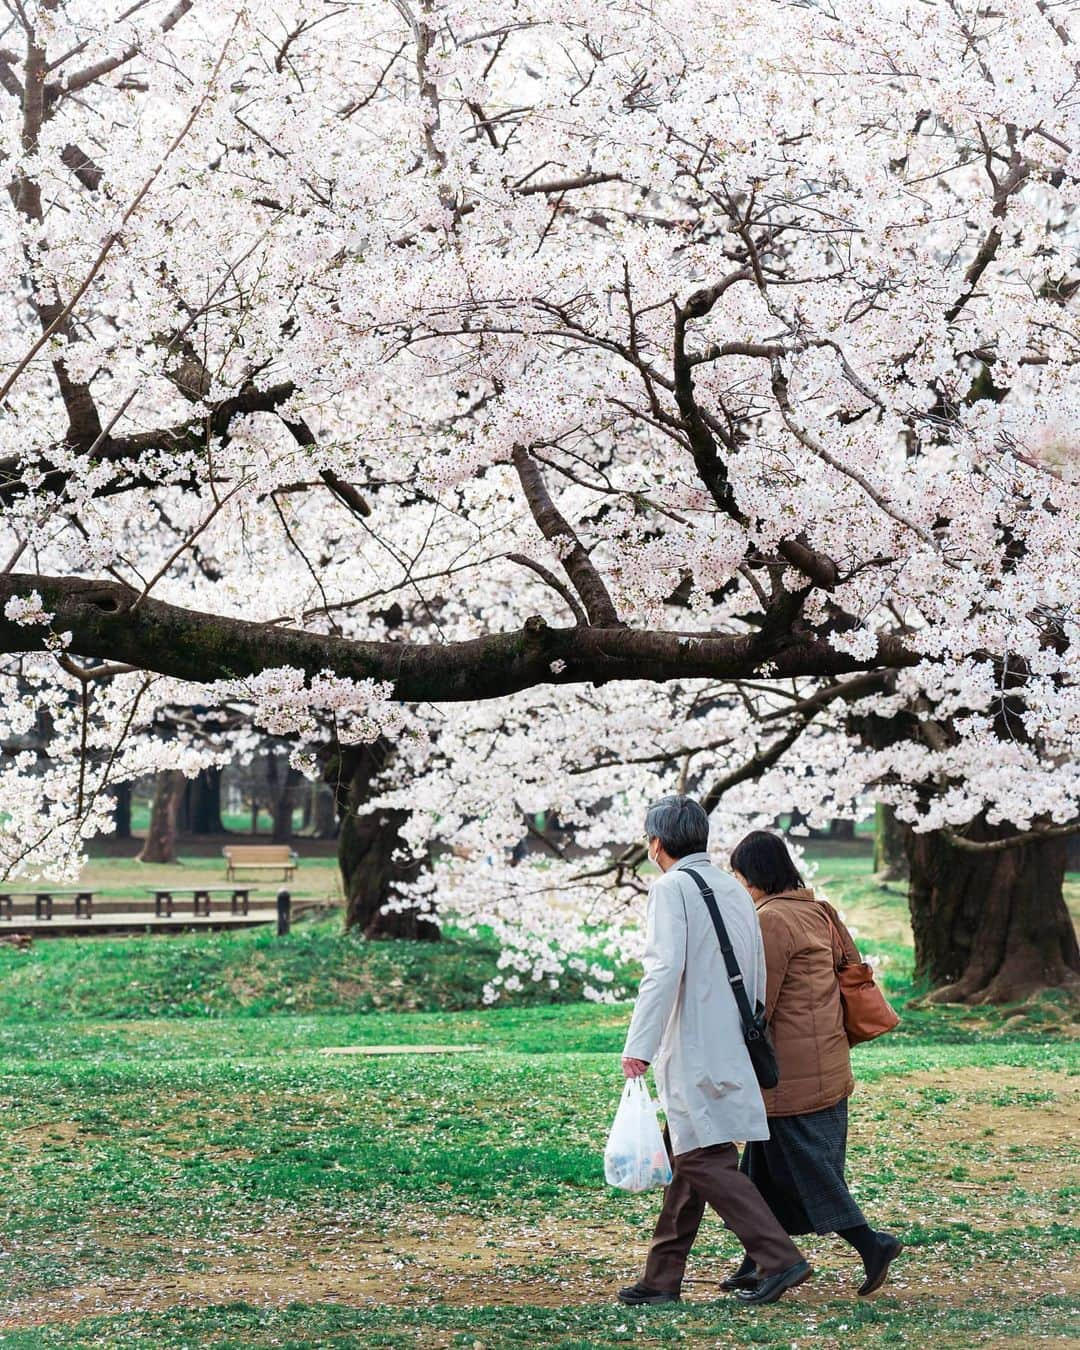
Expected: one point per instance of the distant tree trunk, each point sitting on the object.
(367, 844)
(254, 813)
(281, 812)
(122, 810)
(203, 802)
(281, 800)
(326, 824)
(160, 843)
(308, 807)
(990, 927)
(890, 858)
(841, 829)
(321, 813)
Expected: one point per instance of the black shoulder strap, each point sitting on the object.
(735, 978)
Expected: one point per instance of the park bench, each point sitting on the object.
(43, 902)
(200, 897)
(260, 858)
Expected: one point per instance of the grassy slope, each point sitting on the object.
(321, 969)
(298, 1199)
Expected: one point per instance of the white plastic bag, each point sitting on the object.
(635, 1158)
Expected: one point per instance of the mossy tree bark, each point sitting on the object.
(990, 926)
(111, 621)
(374, 859)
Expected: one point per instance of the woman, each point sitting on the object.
(799, 1169)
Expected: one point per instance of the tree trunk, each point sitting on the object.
(281, 800)
(990, 927)
(369, 845)
(204, 803)
(841, 829)
(122, 810)
(323, 823)
(160, 843)
(890, 858)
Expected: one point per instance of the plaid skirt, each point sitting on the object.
(800, 1171)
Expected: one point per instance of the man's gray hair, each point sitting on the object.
(680, 823)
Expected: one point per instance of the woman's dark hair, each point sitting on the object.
(762, 858)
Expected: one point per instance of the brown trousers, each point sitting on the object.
(711, 1176)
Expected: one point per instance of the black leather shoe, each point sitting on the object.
(877, 1269)
(640, 1293)
(750, 1280)
(771, 1287)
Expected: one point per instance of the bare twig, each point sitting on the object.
(553, 581)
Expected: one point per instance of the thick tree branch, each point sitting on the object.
(91, 74)
(560, 185)
(344, 492)
(1012, 841)
(65, 313)
(83, 167)
(84, 425)
(555, 528)
(701, 430)
(192, 645)
(756, 765)
(1019, 171)
(127, 450)
(8, 79)
(711, 468)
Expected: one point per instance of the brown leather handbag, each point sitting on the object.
(867, 1012)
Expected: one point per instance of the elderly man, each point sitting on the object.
(687, 1024)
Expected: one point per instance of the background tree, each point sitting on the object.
(890, 860)
(160, 843)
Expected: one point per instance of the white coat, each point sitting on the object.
(686, 1023)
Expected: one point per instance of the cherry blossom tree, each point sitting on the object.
(700, 375)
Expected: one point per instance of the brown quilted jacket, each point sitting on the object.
(802, 1003)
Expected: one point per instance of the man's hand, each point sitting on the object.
(634, 1068)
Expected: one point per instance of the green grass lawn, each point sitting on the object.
(237, 821)
(183, 1163)
(111, 878)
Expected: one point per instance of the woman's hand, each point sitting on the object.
(634, 1068)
